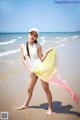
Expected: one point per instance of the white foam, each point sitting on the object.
(8, 42)
(43, 40)
(2, 61)
(74, 37)
(58, 46)
(9, 62)
(41, 43)
(19, 37)
(42, 37)
(9, 52)
(58, 37)
(64, 40)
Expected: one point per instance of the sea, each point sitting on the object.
(10, 42)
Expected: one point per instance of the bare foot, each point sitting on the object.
(23, 107)
(49, 112)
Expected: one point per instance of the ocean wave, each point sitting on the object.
(58, 37)
(19, 37)
(42, 40)
(58, 46)
(9, 52)
(8, 42)
(9, 62)
(64, 40)
(74, 37)
(42, 37)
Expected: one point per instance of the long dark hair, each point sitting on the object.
(27, 48)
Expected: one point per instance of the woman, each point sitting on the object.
(31, 54)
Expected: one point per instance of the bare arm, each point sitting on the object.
(42, 57)
(24, 59)
(39, 52)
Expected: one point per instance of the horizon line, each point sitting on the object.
(39, 32)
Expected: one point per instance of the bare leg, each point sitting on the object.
(32, 82)
(49, 96)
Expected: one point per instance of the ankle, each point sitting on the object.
(50, 108)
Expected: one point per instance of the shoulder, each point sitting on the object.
(22, 46)
(39, 47)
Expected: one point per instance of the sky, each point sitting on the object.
(46, 15)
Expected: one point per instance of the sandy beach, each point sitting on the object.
(14, 81)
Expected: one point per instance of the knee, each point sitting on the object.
(46, 90)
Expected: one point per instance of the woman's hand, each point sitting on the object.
(49, 49)
(45, 55)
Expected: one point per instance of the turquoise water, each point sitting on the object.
(10, 42)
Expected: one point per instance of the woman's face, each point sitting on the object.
(32, 36)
